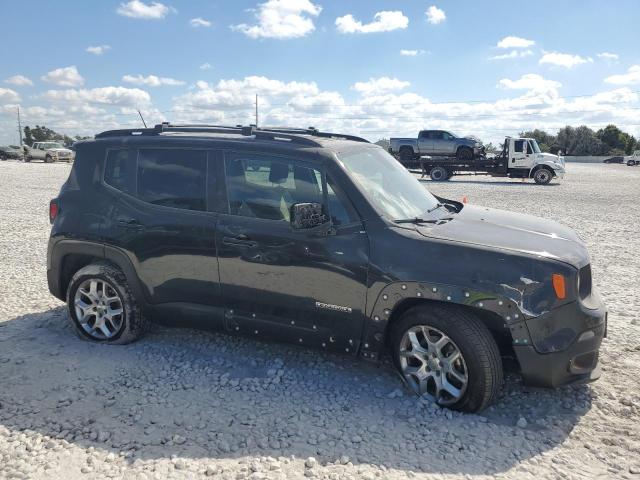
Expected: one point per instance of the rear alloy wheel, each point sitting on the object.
(439, 174)
(448, 355)
(102, 307)
(542, 176)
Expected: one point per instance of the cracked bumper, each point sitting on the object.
(564, 346)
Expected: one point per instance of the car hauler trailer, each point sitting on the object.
(520, 158)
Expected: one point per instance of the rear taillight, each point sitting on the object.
(54, 209)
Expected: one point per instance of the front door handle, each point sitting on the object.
(240, 240)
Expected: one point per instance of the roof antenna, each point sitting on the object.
(142, 118)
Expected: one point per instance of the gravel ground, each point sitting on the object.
(182, 403)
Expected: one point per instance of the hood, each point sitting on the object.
(500, 229)
(65, 150)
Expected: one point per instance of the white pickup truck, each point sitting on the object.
(48, 152)
(634, 159)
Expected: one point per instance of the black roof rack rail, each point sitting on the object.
(267, 133)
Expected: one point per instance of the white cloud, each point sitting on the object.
(64, 77)
(120, 96)
(281, 19)
(512, 54)
(435, 15)
(530, 81)
(142, 10)
(632, 77)
(376, 86)
(8, 96)
(152, 80)
(205, 66)
(411, 53)
(565, 60)
(610, 57)
(382, 22)
(199, 22)
(515, 42)
(19, 81)
(98, 50)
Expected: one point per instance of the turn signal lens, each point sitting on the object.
(559, 285)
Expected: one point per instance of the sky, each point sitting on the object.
(377, 68)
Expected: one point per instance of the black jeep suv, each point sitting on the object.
(321, 240)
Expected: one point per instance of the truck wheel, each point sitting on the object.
(439, 174)
(464, 154)
(48, 159)
(406, 156)
(631, 163)
(102, 306)
(542, 176)
(448, 355)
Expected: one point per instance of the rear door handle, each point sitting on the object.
(130, 224)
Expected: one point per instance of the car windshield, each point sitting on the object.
(535, 146)
(52, 145)
(392, 190)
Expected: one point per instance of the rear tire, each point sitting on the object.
(542, 176)
(631, 163)
(464, 154)
(439, 174)
(92, 307)
(406, 156)
(479, 358)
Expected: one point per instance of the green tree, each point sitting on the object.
(44, 134)
(580, 141)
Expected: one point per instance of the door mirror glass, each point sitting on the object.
(307, 215)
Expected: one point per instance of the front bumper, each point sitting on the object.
(564, 346)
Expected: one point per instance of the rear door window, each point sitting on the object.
(173, 178)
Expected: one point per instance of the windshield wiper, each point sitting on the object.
(439, 205)
(415, 220)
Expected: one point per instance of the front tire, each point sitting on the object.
(464, 154)
(630, 163)
(48, 159)
(448, 355)
(542, 176)
(102, 306)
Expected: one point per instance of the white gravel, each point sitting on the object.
(181, 403)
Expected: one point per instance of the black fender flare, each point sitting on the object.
(391, 296)
(60, 249)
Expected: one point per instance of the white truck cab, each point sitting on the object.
(524, 156)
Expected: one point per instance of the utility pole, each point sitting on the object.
(19, 127)
(256, 110)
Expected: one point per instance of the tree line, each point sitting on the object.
(574, 141)
(585, 141)
(44, 134)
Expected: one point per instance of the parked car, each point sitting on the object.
(48, 152)
(8, 152)
(634, 159)
(436, 143)
(616, 159)
(331, 244)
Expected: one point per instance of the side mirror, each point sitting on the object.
(307, 215)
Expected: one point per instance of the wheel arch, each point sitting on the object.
(539, 166)
(500, 315)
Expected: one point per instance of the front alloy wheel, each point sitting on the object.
(542, 176)
(433, 365)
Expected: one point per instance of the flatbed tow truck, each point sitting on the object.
(520, 158)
